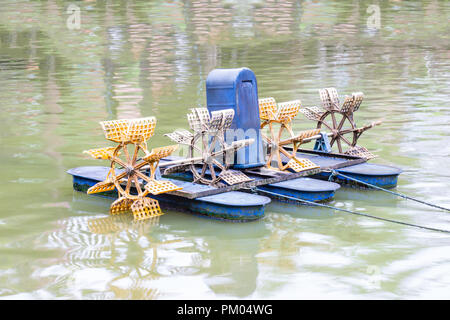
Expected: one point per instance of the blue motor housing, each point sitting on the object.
(237, 89)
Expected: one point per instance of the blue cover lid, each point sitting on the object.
(237, 89)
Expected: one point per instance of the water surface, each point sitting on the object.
(138, 58)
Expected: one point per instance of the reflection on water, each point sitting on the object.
(135, 58)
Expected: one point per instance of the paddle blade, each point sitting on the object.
(146, 208)
(176, 169)
(129, 130)
(300, 137)
(120, 205)
(312, 113)
(157, 187)
(140, 130)
(347, 106)
(220, 120)
(198, 119)
(115, 130)
(228, 116)
(101, 153)
(234, 177)
(357, 98)
(267, 108)
(158, 153)
(361, 152)
(329, 98)
(299, 165)
(102, 186)
(181, 136)
(288, 110)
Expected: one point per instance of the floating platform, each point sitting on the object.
(279, 182)
(378, 175)
(227, 203)
(354, 167)
(302, 188)
(232, 206)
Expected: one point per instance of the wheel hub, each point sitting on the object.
(273, 146)
(207, 158)
(129, 170)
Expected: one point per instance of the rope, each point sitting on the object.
(352, 212)
(334, 173)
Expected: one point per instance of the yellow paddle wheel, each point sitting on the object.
(128, 160)
(277, 117)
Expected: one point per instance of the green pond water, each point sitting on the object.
(60, 76)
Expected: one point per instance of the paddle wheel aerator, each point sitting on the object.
(280, 115)
(236, 161)
(209, 155)
(127, 159)
(338, 120)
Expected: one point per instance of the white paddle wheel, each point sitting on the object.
(209, 155)
(339, 122)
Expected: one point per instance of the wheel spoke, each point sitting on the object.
(333, 117)
(272, 134)
(326, 125)
(204, 142)
(285, 152)
(137, 185)
(143, 163)
(218, 153)
(269, 160)
(280, 133)
(333, 139)
(127, 189)
(348, 131)
(136, 151)
(212, 171)
(217, 163)
(125, 151)
(203, 170)
(341, 123)
(345, 139)
(295, 147)
(197, 148)
(118, 161)
(339, 144)
(212, 144)
(280, 162)
(266, 138)
(120, 176)
(142, 176)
